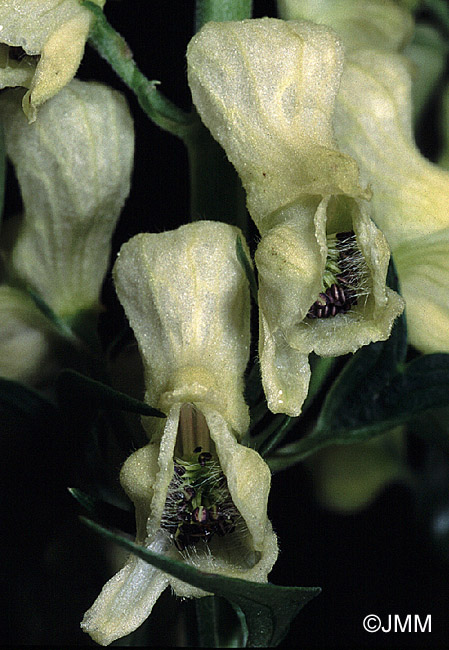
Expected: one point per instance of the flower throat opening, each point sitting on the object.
(345, 277)
(199, 505)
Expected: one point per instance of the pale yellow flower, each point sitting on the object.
(41, 46)
(187, 299)
(410, 194)
(266, 89)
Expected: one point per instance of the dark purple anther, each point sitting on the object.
(188, 492)
(204, 457)
(323, 299)
(200, 515)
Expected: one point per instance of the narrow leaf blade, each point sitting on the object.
(71, 383)
(269, 609)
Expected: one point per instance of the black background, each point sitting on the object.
(380, 561)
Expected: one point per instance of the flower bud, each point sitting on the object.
(73, 168)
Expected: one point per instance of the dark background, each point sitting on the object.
(381, 561)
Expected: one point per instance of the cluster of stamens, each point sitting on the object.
(198, 504)
(344, 279)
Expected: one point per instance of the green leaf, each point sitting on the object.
(268, 609)
(423, 385)
(88, 502)
(112, 47)
(220, 623)
(107, 513)
(272, 436)
(62, 327)
(354, 397)
(80, 329)
(72, 384)
(350, 415)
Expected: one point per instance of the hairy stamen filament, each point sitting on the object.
(345, 279)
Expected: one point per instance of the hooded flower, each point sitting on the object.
(381, 25)
(199, 494)
(73, 168)
(266, 89)
(41, 46)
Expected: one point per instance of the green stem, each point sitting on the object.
(112, 47)
(247, 267)
(221, 10)
(207, 619)
(216, 192)
(285, 457)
